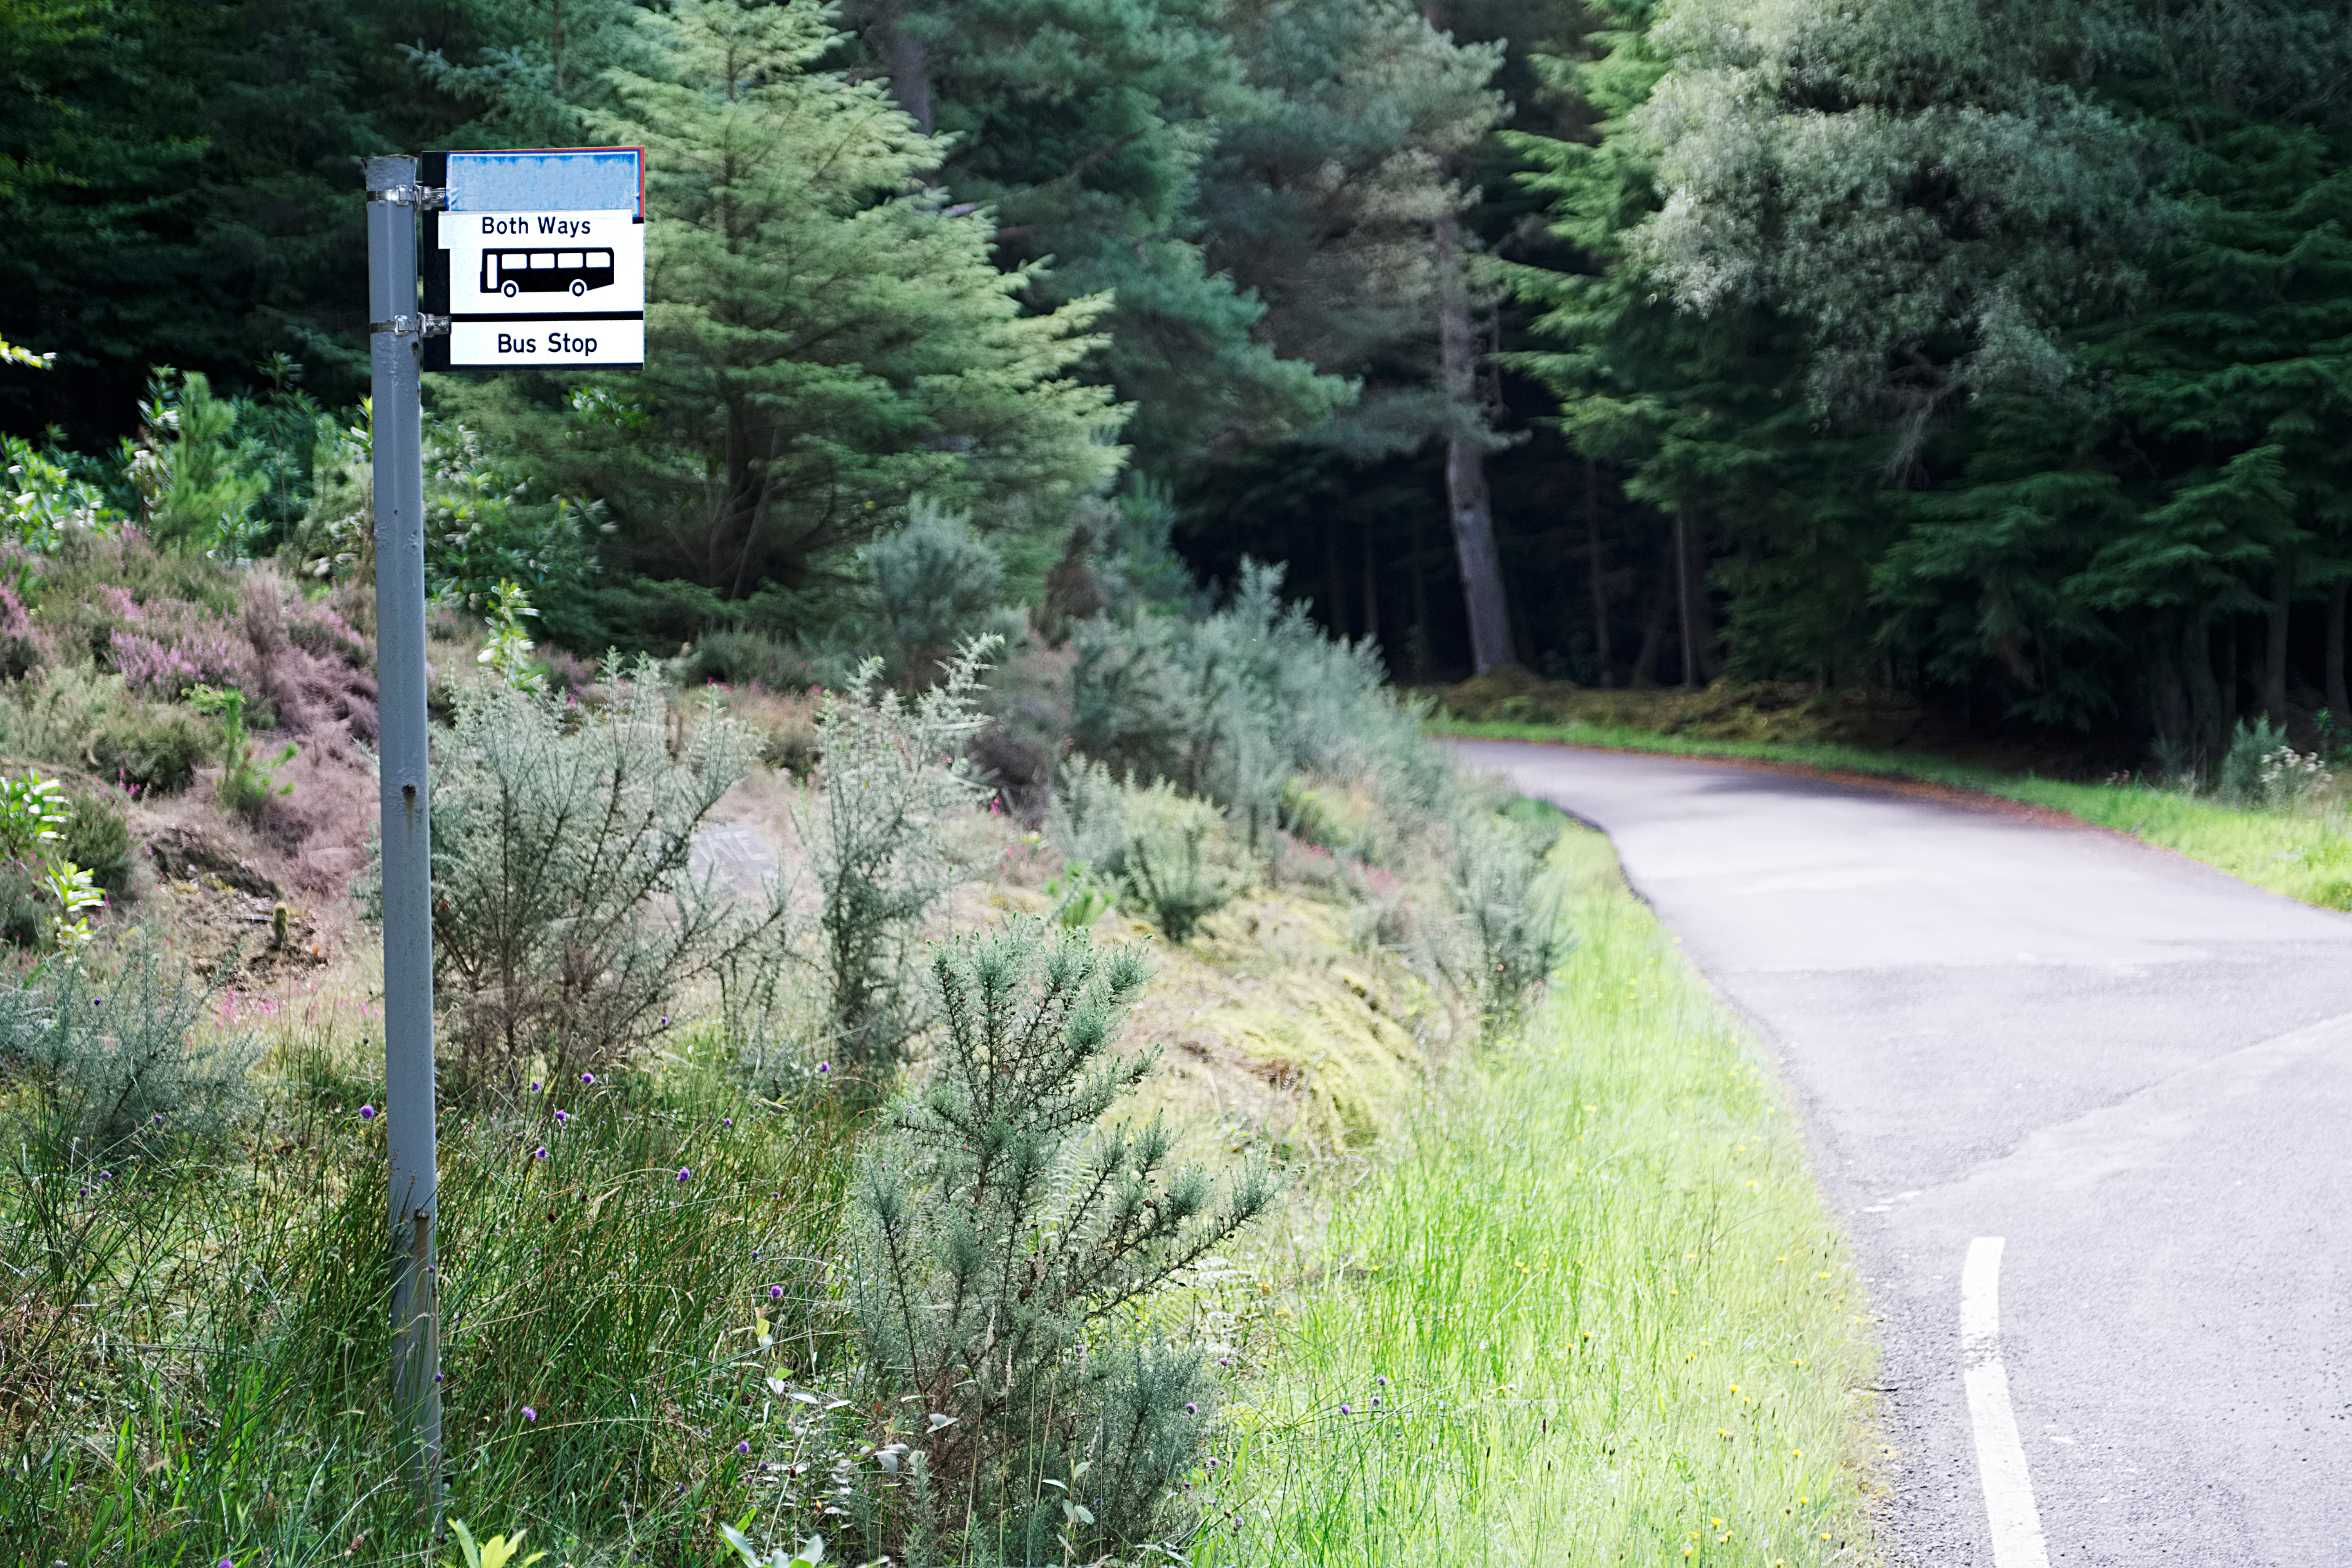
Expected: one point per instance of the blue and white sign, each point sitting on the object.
(545, 254)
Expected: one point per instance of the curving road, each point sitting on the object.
(2135, 1071)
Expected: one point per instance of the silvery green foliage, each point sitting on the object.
(2261, 768)
(939, 582)
(894, 775)
(1230, 706)
(1005, 1236)
(1164, 851)
(1911, 180)
(567, 914)
(1510, 911)
(122, 1065)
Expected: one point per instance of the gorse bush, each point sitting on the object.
(1166, 852)
(566, 913)
(1004, 1240)
(895, 774)
(122, 1063)
(1231, 706)
(1510, 910)
(940, 583)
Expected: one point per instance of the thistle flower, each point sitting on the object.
(726, 1121)
(529, 1414)
(825, 1066)
(367, 1113)
(561, 1117)
(1191, 1408)
(588, 1079)
(540, 1152)
(534, 1085)
(744, 1447)
(775, 1292)
(685, 1174)
(1346, 1410)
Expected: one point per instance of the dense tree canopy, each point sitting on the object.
(2000, 353)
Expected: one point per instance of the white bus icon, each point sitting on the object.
(513, 272)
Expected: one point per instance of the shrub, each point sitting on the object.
(894, 772)
(1166, 851)
(25, 647)
(1230, 707)
(940, 583)
(1511, 912)
(123, 1066)
(746, 658)
(2261, 768)
(567, 916)
(2241, 764)
(1002, 1234)
(246, 782)
(148, 751)
(96, 838)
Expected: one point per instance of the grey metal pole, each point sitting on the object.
(395, 343)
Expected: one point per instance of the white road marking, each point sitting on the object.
(2000, 1458)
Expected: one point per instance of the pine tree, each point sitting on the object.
(824, 341)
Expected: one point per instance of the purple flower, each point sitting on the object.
(665, 1020)
(367, 1113)
(159, 1119)
(1382, 1381)
(825, 1066)
(775, 1292)
(529, 1414)
(561, 1117)
(1344, 1410)
(589, 1078)
(1191, 1408)
(106, 1175)
(744, 1447)
(436, 1377)
(1376, 1402)
(227, 1563)
(726, 1121)
(1213, 1464)
(685, 1174)
(534, 1085)
(540, 1152)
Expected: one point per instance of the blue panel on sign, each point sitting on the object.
(594, 179)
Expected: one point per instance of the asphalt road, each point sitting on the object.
(2135, 1068)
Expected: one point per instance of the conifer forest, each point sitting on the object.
(973, 1018)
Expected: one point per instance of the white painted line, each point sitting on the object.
(2000, 1458)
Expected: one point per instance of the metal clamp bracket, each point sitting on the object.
(424, 323)
(423, 198)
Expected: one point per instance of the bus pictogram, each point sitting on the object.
(513, 272)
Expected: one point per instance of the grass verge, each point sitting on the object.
(1593, 1311)
(2305, 854)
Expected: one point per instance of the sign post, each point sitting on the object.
(397, 336)
(530, 260)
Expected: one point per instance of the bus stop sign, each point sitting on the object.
(537, 258)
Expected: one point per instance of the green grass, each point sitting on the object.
(1593, 1312)
(2303, 853)
(192, 1357)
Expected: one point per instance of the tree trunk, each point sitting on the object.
(1418, 654)
(2206, 712)
(2339, 705)
(2169, 705)
(1468, 504)
(908, 59)
(1335, 584)
(2275, 654)
(1683, 599)
(1654, 634)
(1593, 566)
(1372, 589)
